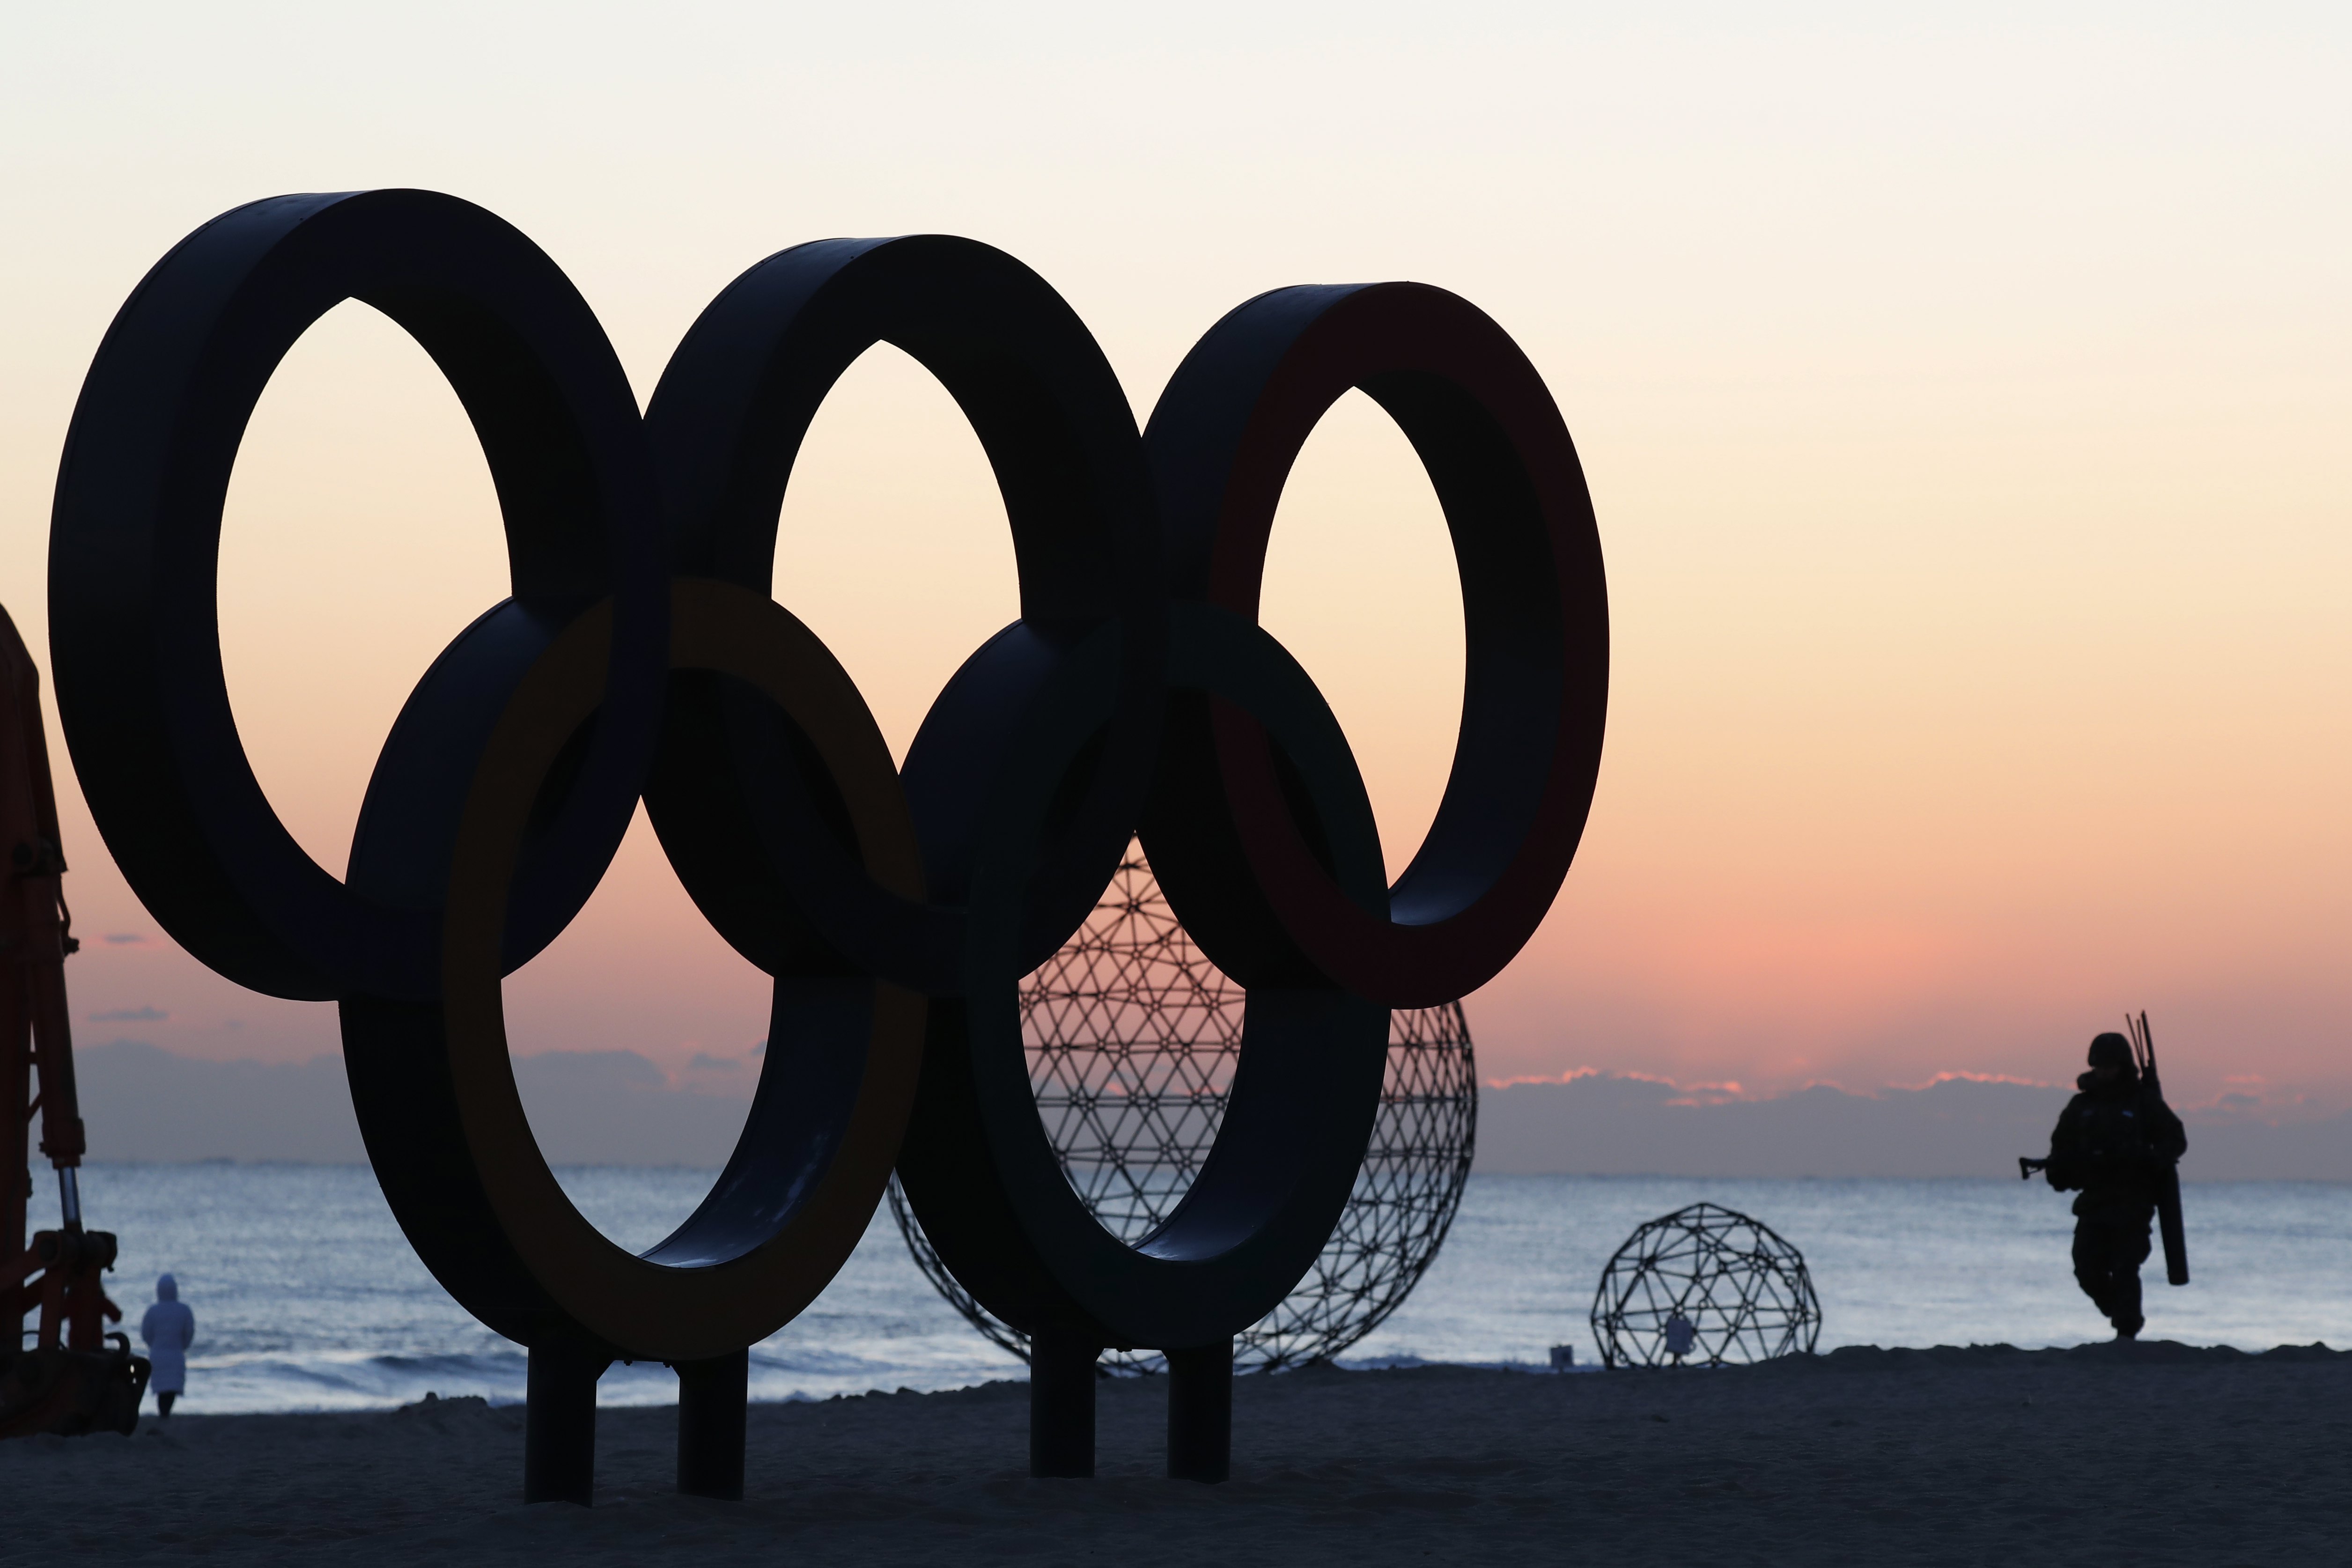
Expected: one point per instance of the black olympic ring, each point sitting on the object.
(641, 657)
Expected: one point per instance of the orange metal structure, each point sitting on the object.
(75, 1376)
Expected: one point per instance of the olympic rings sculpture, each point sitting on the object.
(640, 654)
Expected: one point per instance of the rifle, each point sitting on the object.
(2167, 1178)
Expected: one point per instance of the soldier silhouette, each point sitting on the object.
(2113, 1143)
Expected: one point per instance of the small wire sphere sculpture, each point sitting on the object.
(1133, 1036)
(1704, 1284)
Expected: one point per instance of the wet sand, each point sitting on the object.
(2146, 1455)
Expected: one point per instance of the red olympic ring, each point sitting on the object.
(1535, 613)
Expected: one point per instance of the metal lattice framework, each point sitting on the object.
(1704, 1284)
(1133, 1036)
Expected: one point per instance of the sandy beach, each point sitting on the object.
(2153, 1454)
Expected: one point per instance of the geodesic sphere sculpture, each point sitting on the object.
(1133, 1036)
(1704, 1284)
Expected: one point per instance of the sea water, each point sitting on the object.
(307, 1298)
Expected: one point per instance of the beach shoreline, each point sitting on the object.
(1863, 1456)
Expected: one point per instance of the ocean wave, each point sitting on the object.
(327, 1381)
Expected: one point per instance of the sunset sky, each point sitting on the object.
(1965, 403)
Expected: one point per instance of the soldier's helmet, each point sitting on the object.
(2112, 1050)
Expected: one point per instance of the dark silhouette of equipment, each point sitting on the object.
(2167, 1175)
(75, 1377)
(1704, 1284)
(2166, 1181)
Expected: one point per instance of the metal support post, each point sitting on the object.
(559, 1431)
(1200, 1411)
(1062, 1405)
(711, 1397)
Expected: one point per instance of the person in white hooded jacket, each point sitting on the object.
(169, 1327)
